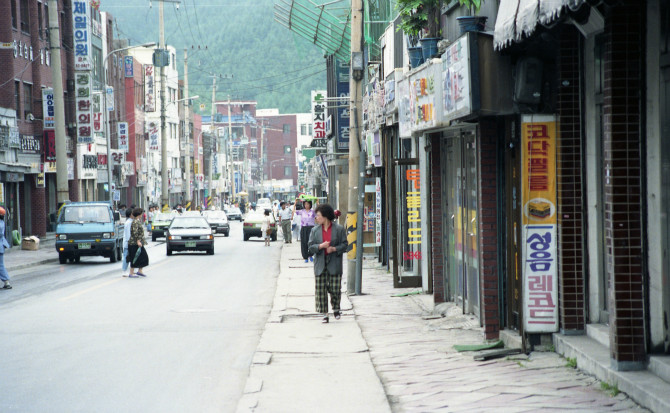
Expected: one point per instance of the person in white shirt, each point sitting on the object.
(286, 216)
(126, 236)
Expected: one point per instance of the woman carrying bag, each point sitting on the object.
(137, 253)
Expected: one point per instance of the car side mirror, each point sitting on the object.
(117, 216)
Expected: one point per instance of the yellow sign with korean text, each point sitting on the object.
(538, 169)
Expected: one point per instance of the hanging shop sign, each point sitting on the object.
(40, 180)
(128, 66)
(378, 211)
(538, 198)
(374, 151)
(110, 98)
(84, 105)
(413, 204)
(30, 144)
(122, 133)
(81, 24)
(404, 104)
(48, 110)
(457, 97)
(49, 146)
(152, 131)
(96, 113)
(425, 92)
(343, 115)
(149, 89)
(319, 117)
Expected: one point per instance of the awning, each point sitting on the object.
(322, 24)
(517, 19)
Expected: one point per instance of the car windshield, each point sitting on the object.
(162, 217)
(215, 214)
(189, 223)
(86, 213)
(234, 210)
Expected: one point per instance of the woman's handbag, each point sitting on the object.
(268, 231)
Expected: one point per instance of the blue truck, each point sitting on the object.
(88, 229)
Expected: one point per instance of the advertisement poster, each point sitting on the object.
(456, 80)
(538, 200)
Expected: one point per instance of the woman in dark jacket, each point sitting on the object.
(327, 242)
(135, 242)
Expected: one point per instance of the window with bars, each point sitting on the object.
(14, 17)
(27, 100)
(287, 128)
(288, 171)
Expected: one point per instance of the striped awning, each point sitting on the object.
(517, 19)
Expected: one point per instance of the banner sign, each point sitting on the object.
(49, 146)
(538, 198)
(319, 115)
(122, 133)
(152, 131)
(342, 89)
(30, 144)
(404, 108)
(149, 89)
(128, 66)
(81, 35)
(378, 211)
(48, 110)
(457, 99)
(82, 82)
(110, 98)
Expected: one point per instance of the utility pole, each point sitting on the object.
(165, 195)
(212, 140)
(232, 164)
(355, 255)
(187, 132)
(59, 104)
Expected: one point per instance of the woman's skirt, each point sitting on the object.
(141, 261)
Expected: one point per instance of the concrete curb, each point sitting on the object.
(31, 264)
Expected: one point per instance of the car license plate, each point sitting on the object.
(84, 245)
(190, 244)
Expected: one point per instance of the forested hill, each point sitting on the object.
(268, 63)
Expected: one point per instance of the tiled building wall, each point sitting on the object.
(487, 145)
(623, 100)
(570, 185)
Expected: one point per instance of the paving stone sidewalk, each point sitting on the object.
(421, 372)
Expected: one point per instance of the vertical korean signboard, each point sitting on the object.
(123, 135)
(342, 72)
(319, 118)
(538, 196)
(81, 23)
(48, 108)
(82, 88)
(128, 66)
(149, 89)
(413, 204)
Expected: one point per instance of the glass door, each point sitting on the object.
(470, 234)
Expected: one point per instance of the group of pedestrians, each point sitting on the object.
(134, 244)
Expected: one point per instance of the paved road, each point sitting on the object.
(79, 337)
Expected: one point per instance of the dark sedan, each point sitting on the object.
(189, 234)
(218, 221)
(234, 214)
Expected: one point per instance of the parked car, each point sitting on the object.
(189, 234)
(218, 221)
(160, 223)
(88, 229)
(253, 223)
(234, 213)
(263, 203)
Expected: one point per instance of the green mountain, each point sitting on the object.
(237, 38)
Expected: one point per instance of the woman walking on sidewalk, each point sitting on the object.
(307, 215)
(4, 276)
(137, 242)
(327, 242)
(265, 227)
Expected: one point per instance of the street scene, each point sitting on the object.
(335, 205)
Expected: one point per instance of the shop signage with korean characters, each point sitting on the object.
(48, 108)
(538, 200)
(152, 131)
(49, 146)
(378, 212)
(81, 35)
(40, 180)
(128, 66)
(413, 204)
(122, 133)
(30, 144)
(149, 89)
(404, 108)
(342, 89)
(457, 99)
(425, 91)
(319, 116)
(110, 98)
(82, 88)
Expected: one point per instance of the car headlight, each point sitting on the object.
(62, 236)
(175, 237)
(106, 235)
(210, 236)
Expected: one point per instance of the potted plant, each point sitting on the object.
(471, 23)
(420, 16)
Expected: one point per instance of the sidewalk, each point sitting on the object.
(303, 366)
(18, 259)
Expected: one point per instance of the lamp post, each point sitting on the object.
(104, 112)
(271, 162)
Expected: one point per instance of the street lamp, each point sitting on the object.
(271, 162)
(104, 112)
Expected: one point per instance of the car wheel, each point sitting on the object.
(62, 258)
(77, 258)
(246, 237)
(153, 237)
(115, 255)
(227, 233)
(210, 252)
(169, 252)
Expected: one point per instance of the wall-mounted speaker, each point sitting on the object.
(528, 81)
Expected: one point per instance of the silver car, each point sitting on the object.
(189, 234)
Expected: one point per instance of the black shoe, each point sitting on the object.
(337, 315)
(7, 286)
(324, 320)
